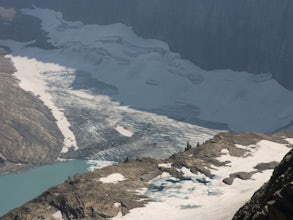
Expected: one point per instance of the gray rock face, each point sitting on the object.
(253, 36)
(28, 133)
(274, 200)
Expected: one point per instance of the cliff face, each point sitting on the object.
(274, 200)
(253, 36)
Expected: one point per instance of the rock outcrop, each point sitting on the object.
(274, 200)
(253, 36)
(29, 135)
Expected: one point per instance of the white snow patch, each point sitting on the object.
(117, 204)
(241, 146)
(123, 131)
(165, 165)
(29, 72)
(225, 151)
(112, 178)
(57, 216)
(290, 140)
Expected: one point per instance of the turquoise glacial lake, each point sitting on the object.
(18, 188)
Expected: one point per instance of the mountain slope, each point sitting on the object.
(28, 133)
(188, 184)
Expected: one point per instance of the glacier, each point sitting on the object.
(116, 95)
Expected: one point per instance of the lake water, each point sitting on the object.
(18, 188)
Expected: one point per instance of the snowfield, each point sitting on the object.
(127, 96)
(200, 197)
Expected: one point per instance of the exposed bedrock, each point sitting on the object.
(253, 36)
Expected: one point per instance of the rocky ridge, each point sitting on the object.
(89, 196)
